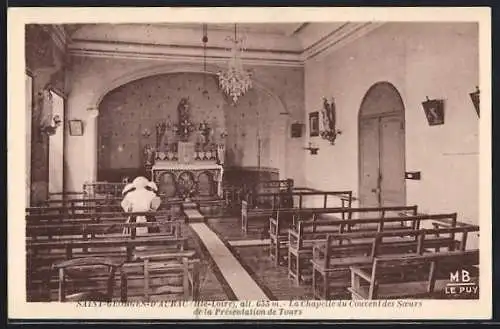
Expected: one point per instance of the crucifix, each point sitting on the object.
(184, 127)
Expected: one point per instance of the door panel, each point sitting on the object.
(369, 162)
(392, 161)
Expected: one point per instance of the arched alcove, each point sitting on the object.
(382, 147)
(128, 116)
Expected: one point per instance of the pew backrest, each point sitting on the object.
(384, 266)
(415, 241)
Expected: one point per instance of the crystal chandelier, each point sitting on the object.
(236, 81)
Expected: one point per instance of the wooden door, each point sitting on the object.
(392, 161)
(382, 148)
(369, 163)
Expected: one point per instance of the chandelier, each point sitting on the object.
(236, 81)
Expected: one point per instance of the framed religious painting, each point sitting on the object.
(314, 124)
(75, 127)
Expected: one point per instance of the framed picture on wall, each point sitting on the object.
(314, 124)
(75, 127)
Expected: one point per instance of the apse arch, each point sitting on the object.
(165, 70)
(279, 110)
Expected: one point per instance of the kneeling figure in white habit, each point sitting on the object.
(140, 196)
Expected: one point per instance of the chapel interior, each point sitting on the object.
(291, 160)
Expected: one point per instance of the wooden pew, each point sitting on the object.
(284, 199)
(423, 284)
(94, 217)
(307, 233)
(284, 219)
(61, 232)
(108, 205)
(331, 260)
(174, 274)
(247, 210)
(133, 251)
(90, 266)
(73, 202)
(234, 194)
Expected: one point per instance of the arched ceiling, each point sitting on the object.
(274, 43)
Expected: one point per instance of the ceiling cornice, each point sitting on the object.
(186, 54)
(339, 38)
(336, 39)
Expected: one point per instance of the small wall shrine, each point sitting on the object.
(186, 161)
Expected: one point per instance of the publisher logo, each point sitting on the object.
(461, 285)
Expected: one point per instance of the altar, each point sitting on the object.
(194, 173)
(187, 161)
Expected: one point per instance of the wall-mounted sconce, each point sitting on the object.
(75, 127)
(434, 111)
(313, 148)
(51, 128)
(329, 121)
(146, 133)
(475, 100)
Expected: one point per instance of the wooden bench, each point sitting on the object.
(332, 259)
(248, 210)
(307, 233)
(42, 255)
(54, 232)
(284, 219)
(172, 275)
(95, 217)
(89, 266)
(377, 281)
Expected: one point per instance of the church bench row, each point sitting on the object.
(234, 194)
(376, 281)
(42, 255)
(247, 211)
(171, 275)
(331, 259)
(95, 217)
(43, 251)
(284, 219)
(303, 237)
(295, 199)
(97, 205)
(74, 231)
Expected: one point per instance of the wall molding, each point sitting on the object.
(181, 54)
(333, 41)
(339, 38)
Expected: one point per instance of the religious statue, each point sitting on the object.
(148, 155)
(161, 128)
(205, 132)
(329, 121)
(185, 127)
